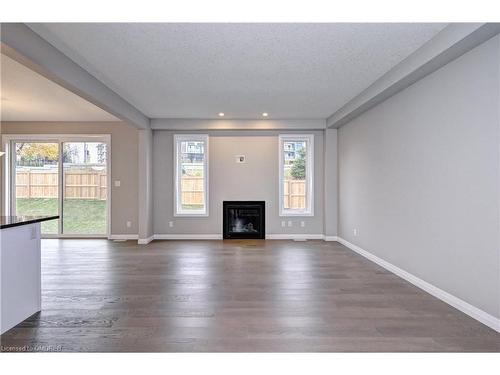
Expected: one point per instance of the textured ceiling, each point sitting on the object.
(199, 70)
(27, 96)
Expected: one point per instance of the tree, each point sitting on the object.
(37, 152)
(298, 170)
(101, 153)
(70, 151)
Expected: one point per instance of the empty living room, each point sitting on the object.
(247, 186)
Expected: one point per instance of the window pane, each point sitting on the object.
(36, 181)
(192, 191)
(85, 188)
(294, 173)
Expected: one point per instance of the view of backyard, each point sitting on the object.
(82, 216)
(84, 185)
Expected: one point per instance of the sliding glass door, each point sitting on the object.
(66, 176)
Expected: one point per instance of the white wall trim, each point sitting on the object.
(294, 236)
(310, 176)
(331, 238)
(123, 237)
(465, 307)
(178, 139)
(188, 236)
(74, 236)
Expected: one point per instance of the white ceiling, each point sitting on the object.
(28, 96)
(198, 70)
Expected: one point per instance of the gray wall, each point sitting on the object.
(419, 178)
(257, 179)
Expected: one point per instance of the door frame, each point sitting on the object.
(8, 182)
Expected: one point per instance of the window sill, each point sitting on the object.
(296, 214)
(189, 215)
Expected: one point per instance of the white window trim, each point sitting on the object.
(309, 210)
(178, 138)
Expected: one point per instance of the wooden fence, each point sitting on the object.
(192, 191)
(294, 192)
(77, 184)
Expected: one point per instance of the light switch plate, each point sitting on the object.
(118, 183)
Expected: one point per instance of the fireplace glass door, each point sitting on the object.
(244, 219)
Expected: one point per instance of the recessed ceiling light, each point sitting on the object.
(265, 114)
(221, 114)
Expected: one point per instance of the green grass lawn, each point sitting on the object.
(81, 216)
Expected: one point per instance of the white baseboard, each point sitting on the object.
(145, 241)
(465, 307)
(331, 238)
(188, 236)
(123, 237)
(294, 236)
(219, 237)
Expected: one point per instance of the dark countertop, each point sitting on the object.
(14, 221)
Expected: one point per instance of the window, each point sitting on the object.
(191, 175)
(296, 162)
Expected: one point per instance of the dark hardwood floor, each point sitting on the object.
(256, 296)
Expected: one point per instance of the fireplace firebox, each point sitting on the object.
(244, 219)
